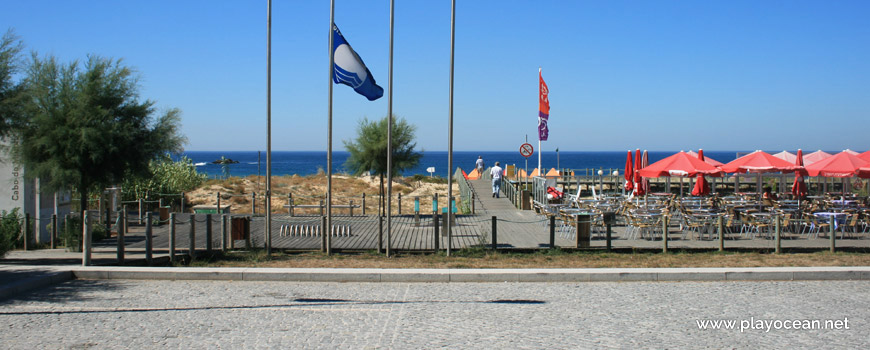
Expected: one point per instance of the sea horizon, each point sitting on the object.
(309, 162)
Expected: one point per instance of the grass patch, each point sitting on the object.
(555, 258)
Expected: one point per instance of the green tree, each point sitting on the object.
(10, 230)
(164, 176)
(86, 127)
(368, 153)
(10, 91)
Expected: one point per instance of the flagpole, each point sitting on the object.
(390, 139)
(326, 229)
(450, 132)
(268, 132)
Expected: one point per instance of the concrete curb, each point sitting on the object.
(34, 282)
(478, 275)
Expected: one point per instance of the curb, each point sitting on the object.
(478, 275)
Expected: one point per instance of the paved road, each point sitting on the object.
(207, 314)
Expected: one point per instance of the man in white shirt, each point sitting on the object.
(479, 165)
(496, 173)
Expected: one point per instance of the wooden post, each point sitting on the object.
(720, 228)
(350, 208)
(552, 232)
(321, 207)
(86, 239)
(364, 204)
(494, 232)
(191, 236)
(380, 232)
(253, 203)
(223, 232)
(27, 229)
(53, 231)
(609, 235)
(218, 203)
(665, 233)
(778, 232)
(208, 236)
(400, 204)
(171, 237)
(182, 202)
(149, 240)
(833, 233)
(472, 203)
(435, 234)
(108, 219)
(141, 210)
(323, 232)
(122, 232)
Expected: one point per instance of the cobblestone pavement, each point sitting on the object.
(207, 314)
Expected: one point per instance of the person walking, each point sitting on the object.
(479, 165)
(496, 173)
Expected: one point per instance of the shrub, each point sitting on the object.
(10, 230)
(71, 234)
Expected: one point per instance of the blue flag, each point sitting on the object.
(350, 69)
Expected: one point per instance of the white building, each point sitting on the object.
(17, 192)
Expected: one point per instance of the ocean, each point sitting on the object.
(308, 162)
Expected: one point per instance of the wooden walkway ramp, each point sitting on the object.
(516, 228)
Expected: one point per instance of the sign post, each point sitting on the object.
(431, 170)
(526, 150)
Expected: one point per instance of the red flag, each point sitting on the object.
(543, 108)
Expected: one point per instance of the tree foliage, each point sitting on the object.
(11, 92)
(86, 127)
(369, 151)
(10, 230)
(164, 176)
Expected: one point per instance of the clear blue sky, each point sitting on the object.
(658, 75)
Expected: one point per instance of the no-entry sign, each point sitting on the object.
(526, 150)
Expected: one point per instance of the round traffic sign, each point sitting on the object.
(526, 150)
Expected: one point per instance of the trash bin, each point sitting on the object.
(163, 213)
(584, 225)
(241, 228)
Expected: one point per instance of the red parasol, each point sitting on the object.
(709, 160)
(638, 187)
(680, 164)
(799, 189)
(645, 163)
(816, 156)
(865, 156)
(757, 162)
(786, 156)
(843, 164)
(702, 188)
(629, 173)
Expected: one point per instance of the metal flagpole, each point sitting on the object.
(390, 139)
(450, 133)
(326, 229)
(268, 133)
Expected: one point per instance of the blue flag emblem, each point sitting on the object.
(350, 70)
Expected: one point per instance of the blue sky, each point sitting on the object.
(658, 75)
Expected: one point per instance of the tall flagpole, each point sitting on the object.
(390, 139)
(540, 171)
(328, 227)
(450, 133)
(268, 132)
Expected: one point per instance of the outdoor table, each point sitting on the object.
(833, 217)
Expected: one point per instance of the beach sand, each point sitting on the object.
(311, 189)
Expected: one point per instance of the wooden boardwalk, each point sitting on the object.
(516, 229)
